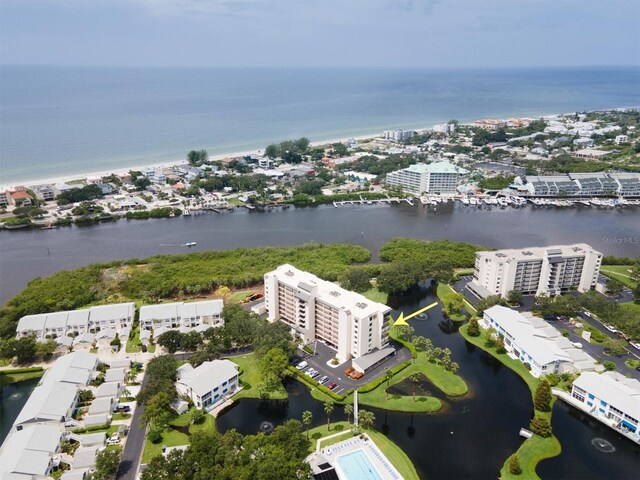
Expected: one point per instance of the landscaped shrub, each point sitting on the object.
(609, 366)
(514, 465)
(380, 380)
(541, 426)
(542, 398)
(154, 436)
(473, 330)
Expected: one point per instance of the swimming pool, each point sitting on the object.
(357, 466)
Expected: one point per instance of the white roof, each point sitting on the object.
(536, 337)
(207, 376)
(617, 390)
(181, 309)
(201, 309)
(112, 312)
(106, 334)
(98, 419)
(303, 282)
(159, 312)
(537, 253)
(32, 322)
(28, 451)
(92, 439)
(84, 338)
(108, 389)
(78, 474)
(84, 457)
(114, 375)
(101, 405)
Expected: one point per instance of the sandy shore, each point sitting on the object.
(74, 177)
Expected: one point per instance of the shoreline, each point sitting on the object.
(171, 163)
(74, 177)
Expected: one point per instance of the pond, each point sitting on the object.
(13, 397)
(474, 434)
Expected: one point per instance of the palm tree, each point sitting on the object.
(366, 419)
(307, 418)
(328, 409)
(414, 379)
(388, 375)
(348, 410)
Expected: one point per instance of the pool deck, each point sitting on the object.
(364, 443)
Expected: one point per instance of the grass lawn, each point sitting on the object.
(173, 438)
(632, 363)
(237, 297)
(7, 378)
(535, 449)
(251, 378)
(376, 295)
(396, 456)
(234, 201)
(620, 273)
(121, 416)
(133, 342)
(322, 431)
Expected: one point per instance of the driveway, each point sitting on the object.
(325, 353)
(132, 454)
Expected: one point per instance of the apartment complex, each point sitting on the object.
(398, 135)
(538, 270)
(611, 398)
(117, 316)
(436, 177)
(164, 316)
(319, 310)
(584, 184)
(536, 343)
(208, 384)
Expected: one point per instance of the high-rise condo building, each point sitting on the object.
(541, 270)
(436, 177)
(319, 310)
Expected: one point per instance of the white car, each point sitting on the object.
(576, 344)
(611, 328)
(113, 440)
(635, 345)
(302, 365)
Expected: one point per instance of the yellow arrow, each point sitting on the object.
(402, 320)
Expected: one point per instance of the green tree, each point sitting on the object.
(500, 348)
(355, 279)
(541, 426)
(348, 411)
(197, 416)
(388, 375)
(366, 419)
(514, 465)
(452, 303)
(614, 287)
(542, 398)
(273, 366)
(25, 350)
(171, 340)
(45, 349)
(158, 411)
(615, 347)
(307, 418)
(190, 341)
(328, 409)
(107, 462)
(404, 331)
(514, 297)
(474, 327)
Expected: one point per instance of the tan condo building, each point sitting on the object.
(319, 310)
(536, 271)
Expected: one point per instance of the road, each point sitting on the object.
(133, 448)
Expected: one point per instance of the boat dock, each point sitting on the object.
(362, 201)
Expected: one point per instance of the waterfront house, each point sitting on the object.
(436, 178)
(209, 384)
(535, 342)
(612, 398)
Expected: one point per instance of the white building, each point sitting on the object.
(436, 177)
(539, 270)
(180, 314)
(319, 310)
(611, 398)
(77, 322)
(209, 384)
(31, 452)
(535, 343)
(398, 135)
(446, 128)
(621, 139)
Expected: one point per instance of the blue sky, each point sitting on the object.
(390, 33)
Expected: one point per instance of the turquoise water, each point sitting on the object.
(357, 466)
(62, 120)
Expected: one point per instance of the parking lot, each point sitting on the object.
(321, 363)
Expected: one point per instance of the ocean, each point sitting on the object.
(56, 121)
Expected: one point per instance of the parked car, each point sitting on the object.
(332, 385)
(122, 409)
(576, 344)
(315, 374)
(635, 345)
(113, 439)
(324, 379)
(611, 328)
(302, 365)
